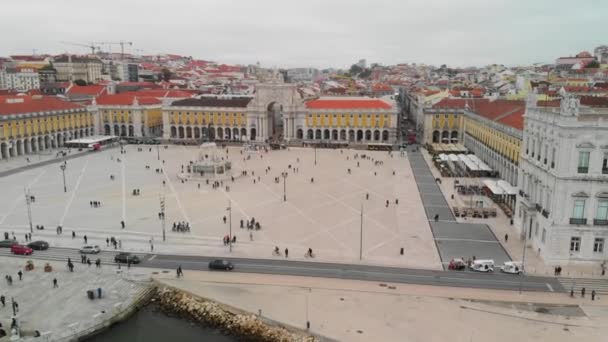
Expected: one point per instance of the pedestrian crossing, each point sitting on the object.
(600, 285)
(62, 254)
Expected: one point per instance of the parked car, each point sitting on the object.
(457, 265)
(220, 264)
(21, 249)
(90, 249)
(7, 243)
(38, 245)
(483, 266)
(126, 257)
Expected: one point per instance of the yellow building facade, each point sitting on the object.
(34, 124)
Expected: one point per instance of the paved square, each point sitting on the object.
(324, 215)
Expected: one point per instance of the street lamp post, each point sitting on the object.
(28, 201)
(315, 155)
(523, 260)
(63, 167)
(157, 152)
(361, 235)
(230, 224)
(284, 174)
(162, 215)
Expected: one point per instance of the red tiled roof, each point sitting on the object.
(515, 119)
(594, 101)
(348, 104)
(382, 87)
(126, 99)
(33, 104)
(93, 90)
(163, 93)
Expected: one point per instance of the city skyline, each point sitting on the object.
(476, 33)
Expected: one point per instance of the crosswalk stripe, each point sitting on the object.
(62, 254)
(599, 285)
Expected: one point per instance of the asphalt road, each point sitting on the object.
(381, 274)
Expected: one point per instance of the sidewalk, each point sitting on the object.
(360, 311)
(501, 225)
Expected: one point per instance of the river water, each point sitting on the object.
(151, 325)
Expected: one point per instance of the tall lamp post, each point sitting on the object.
(284, 175)
(28, 201)
(361, 235)
(63, 167)
(230, 224)
(315, 154)
(162, 215)
(157, 152)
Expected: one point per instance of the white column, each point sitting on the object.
(286, 128)
(166, 125)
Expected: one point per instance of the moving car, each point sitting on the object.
(7, 243)
(220, 264)
(21, 249)
(126, 257)
(90, 249)
(38, 245)
(512, 267)
(483, 266)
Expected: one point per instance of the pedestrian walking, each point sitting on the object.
(583, 292)
(98, 263)
(55, 285)
(224, 218)
(286, 252)
(73, 233)
(85, 239)
(107, 242)
(20, 274)
(122, 224)
(3, 300)
(250, 236)
(506, 237)
(89, 262)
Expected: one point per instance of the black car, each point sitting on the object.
(38, 245)
(7, 243)
(126, 258)
(220, 264)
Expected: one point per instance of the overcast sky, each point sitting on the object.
(318, 33)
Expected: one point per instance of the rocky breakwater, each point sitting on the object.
(246, 326)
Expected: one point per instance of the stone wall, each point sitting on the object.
(246, 326)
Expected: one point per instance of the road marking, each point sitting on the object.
(20, 197)
(69, 204)
(152, 257)
(550, 287)
(179, 203)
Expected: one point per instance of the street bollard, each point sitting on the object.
(401, 250)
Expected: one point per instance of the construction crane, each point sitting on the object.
(91, 46)
(122, 44)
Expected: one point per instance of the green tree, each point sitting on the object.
(592, 64)
(166, 74)
(80, 82)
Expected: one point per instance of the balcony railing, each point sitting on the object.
(574, 220)
(600, 222)
(582, 169)
(545, 213)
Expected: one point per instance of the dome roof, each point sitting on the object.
(584, 54)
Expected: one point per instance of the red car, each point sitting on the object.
(21, 249)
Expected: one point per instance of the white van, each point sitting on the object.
(512, 267)
(483, 266)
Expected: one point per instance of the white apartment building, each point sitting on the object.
(562, 207)
(21, 79)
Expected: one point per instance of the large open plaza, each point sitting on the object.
(322, 210)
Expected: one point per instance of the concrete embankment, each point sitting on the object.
(244, 325)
